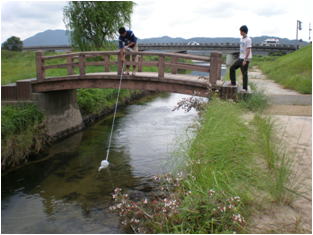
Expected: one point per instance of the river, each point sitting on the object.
(64, 192)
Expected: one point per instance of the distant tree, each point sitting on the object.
(93, 23)
(13, 44)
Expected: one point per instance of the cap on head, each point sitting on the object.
(121, 30)
(244, 29)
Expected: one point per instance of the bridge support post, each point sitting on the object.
(82, 65)
(70, 70)
(106, 63)
(215, 67)
(39, 66)
(119, 64)
(61, 110)
(140, 60)
(174, 61)
(161, 67)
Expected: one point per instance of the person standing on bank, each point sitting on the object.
(244, 59)
(127, 41)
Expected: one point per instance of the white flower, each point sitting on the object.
(211, 192)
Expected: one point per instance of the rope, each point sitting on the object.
(118, 95)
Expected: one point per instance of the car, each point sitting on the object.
(270, 42)
(193, 43)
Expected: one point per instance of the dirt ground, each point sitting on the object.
(296, 217)
(293, 125)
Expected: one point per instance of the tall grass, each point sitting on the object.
(234, 160)
(255, 102)
(293, 70)
(22, 133)
(275, 157)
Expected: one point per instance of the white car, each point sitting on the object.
(193, 43)
(270, 42)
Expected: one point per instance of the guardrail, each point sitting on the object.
(164, 61)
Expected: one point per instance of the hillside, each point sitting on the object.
(61, 37)
(48, 38)
(293, 71)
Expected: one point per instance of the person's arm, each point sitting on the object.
(248, 51)
(131, 44)
(133, 40)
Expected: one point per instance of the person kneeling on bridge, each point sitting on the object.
(127, 41)
(244, 58)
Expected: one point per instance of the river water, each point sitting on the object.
(64, 193)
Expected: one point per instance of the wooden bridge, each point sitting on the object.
(78, 75)
(225, 48)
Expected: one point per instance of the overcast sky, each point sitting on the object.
(174, 18)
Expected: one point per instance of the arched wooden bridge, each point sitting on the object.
(166, 77)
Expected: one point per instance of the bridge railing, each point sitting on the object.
(164, 61)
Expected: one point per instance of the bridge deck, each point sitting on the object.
(154, 76)
(144, 76)
(180, 83)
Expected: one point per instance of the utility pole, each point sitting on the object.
(299, 27)
(310, 29)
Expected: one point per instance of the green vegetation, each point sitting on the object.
(93, 23)
(232, 158)
(16, 66)
(293, 70)
(13, 44)
(228, 170)
(21, 133)
(95, 100)
(255, 102)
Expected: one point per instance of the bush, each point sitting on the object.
(13, 44)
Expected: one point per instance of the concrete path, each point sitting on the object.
(292, 113)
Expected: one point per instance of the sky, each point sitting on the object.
(174, 18)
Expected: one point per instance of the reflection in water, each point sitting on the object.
(66, 194)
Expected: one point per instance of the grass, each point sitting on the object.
(16, 66)
(255, 102)
(277, 161)
(230, 168)
(21, 133)
(293, 71)
(95, 100)
(226, 156)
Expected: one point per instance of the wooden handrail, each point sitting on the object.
(162, 63)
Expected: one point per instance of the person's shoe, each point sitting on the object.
(243, 91)
(229, 84)
(134, 73)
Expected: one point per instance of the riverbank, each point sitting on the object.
(246, 172)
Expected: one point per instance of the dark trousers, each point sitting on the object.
(244, 70)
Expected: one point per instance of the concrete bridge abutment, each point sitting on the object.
(61, 111)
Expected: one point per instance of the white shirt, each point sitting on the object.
(244, 44)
